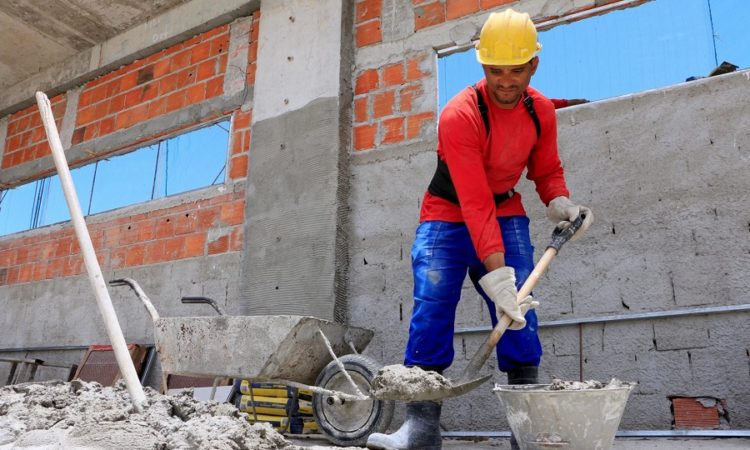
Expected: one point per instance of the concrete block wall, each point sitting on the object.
(189, 244)
(662, 171)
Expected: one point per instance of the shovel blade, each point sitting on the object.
(460, 388)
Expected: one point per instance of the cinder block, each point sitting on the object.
(680, 333)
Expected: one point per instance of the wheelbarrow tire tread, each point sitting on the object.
(379, 414)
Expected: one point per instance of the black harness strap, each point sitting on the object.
(442, 184)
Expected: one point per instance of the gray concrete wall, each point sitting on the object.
(665, 173)
(295, 256)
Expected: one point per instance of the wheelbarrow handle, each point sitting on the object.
(206, 300)
(139, 292)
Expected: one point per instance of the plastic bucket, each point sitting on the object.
(567, 419)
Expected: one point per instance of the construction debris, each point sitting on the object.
(78, 415)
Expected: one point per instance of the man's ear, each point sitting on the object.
(534, 64)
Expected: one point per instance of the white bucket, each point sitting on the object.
(567, 419)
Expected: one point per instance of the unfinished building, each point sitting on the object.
(328, 111)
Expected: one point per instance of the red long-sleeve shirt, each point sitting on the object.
(480, 167)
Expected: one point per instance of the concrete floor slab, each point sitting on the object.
(619, 444)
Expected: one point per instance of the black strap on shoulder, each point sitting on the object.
(528, 102)
(441, 184)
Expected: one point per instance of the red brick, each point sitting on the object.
(360, 109)
(200, 52)
(383, 104)
(175, 101)
(164, 228)
(86, 115)
(429, 15)
(161, 68)
(364, 137)
(368, 33)
(242, 120)
(195, 245)
(116, 104)
(154, 252)
(174, 248)
(366, 81)
(207, 217)
(205, 70)
(195, 94)
(238, 167)
(179, 61)
(393, 74)
(219, 245)
(184, 223)
(233, 213)
(219, 45)
(460, 8)
(214, 87)
(92, 132)
(129, 81)
(368, 9)
(413, 71)
(414, 124)
(106, 126)
(157, 108)
(168, 84)
(393, 130)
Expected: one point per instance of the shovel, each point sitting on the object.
(469, 379)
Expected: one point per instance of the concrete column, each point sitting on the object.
(295, 256)
(3, 135)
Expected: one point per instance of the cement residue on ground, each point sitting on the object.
(86, 416)
(407, 383)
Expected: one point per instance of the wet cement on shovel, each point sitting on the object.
(407, 383)
(86, 416)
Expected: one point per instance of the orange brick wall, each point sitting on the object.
(384, 100)
(26, 139)
(385, 95)
(184, 74)
(690, 413)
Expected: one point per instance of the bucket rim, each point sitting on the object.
(544, 388)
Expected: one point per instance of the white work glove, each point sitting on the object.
(500, 287)
(562, 212)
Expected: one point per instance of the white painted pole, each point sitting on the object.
(96, 278)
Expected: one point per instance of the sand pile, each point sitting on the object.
(86, 416)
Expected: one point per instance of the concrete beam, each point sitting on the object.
(151, 36)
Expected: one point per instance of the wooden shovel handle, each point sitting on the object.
(559, 237)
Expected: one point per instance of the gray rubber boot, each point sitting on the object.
(522, 375)
(420, 430)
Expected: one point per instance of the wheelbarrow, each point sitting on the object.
(297, 351)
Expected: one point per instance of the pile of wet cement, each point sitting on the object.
(87, 416)
(406, 383)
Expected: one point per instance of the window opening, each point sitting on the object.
(171, 166)
(653, 45)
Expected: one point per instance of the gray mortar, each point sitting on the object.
(292, 222)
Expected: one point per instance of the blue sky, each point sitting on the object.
(657, 44)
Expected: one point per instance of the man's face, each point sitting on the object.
(505, 84)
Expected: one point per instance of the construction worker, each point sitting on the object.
(472, 220)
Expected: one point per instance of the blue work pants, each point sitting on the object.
(442, 254)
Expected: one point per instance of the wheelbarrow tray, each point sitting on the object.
(283, 347)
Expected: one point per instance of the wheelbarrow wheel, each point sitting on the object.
(349, 423)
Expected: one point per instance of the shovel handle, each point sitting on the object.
(560, 236)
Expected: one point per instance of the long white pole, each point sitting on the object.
(96, 278)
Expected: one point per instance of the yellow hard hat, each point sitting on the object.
(508, 38)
